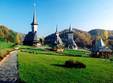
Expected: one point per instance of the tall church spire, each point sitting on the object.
(70, 29)
(34, 24)
(56, 28)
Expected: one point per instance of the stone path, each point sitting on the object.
(8, 69)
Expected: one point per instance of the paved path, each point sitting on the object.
(8, 69)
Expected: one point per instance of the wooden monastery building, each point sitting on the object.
(99, 49)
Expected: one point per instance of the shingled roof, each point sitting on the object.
(100, 46)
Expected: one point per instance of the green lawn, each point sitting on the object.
(77, 53)
(42, 68)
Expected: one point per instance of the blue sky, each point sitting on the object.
(81, 14)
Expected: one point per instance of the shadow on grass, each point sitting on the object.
(59, 65)
(21, 81)
(65, 66)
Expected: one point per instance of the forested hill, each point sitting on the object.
(99, 32)
(83, 38)
(9, 35)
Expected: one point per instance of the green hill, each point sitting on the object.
(8, 39)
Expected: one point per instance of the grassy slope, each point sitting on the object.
(41, 68)
(4, 47)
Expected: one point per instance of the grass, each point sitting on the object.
(77, 52)
(4, 48)
(43, 68)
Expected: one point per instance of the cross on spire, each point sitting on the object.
(34, 4)
(34, 15)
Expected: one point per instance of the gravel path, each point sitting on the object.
(8, 69)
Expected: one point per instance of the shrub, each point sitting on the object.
(111, 59)
(76, 64)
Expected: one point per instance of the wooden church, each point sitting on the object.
(99, 49)
(31, 38)
(71, 43)
(57, 42)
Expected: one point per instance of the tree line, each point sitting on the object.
(8, 35)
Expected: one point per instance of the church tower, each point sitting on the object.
(70, 33)
(57, 43)
(31, 38)
(71, 42)
(34, 24)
